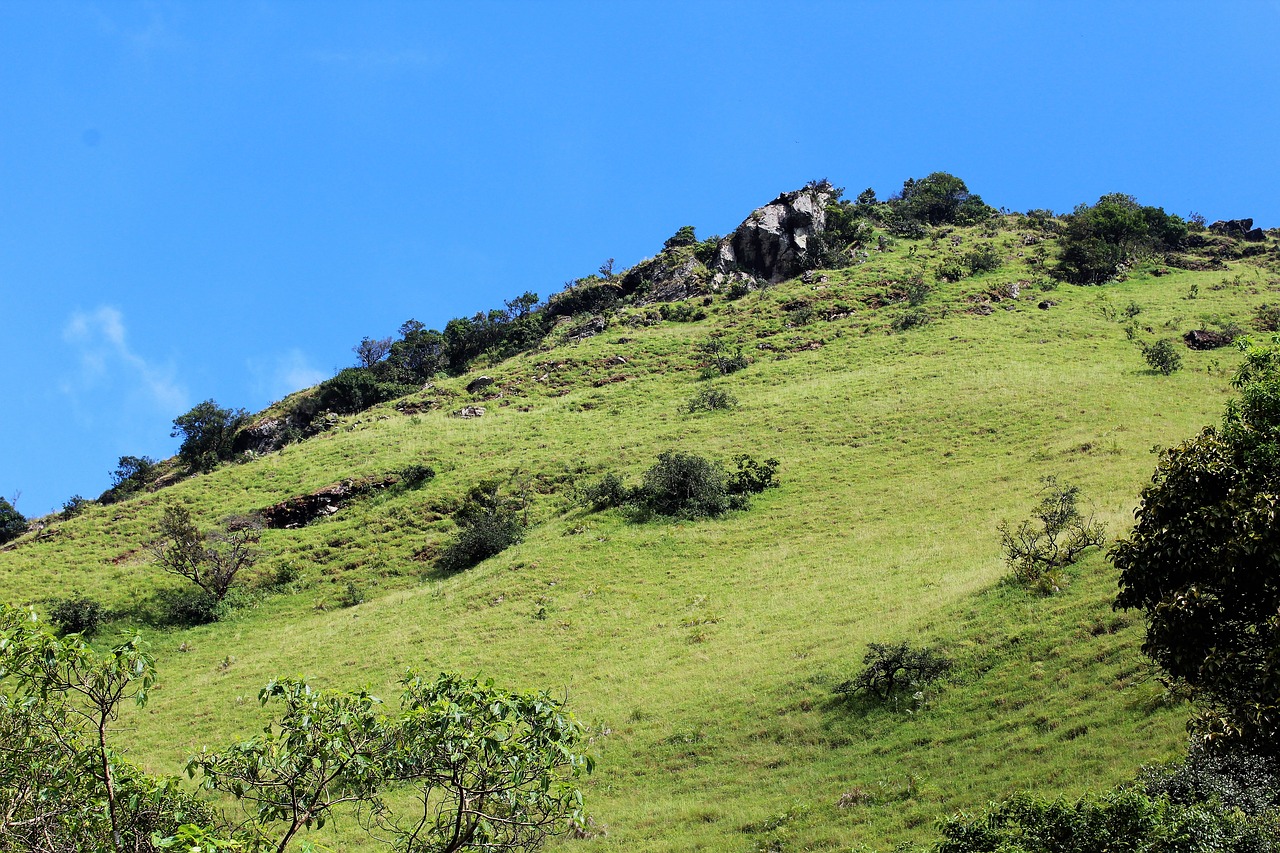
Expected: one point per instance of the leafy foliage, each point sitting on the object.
(710, 400)
(12, 523)
(490, 522)
(720, 358)
(73, 506)
(1098, 240)
(982, 258)
(890, 668)
(752, 477)
(937, 199)
(1119, 821)
(610, 491)
(211, 561)
(1162, 356)
(63, 787)
(131, 475)
(1200, 563)
(208, 434)
(684, 485)
(78, 615)
(1053, 537)
(490, 769)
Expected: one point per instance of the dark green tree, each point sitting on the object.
(208, 434)
(1203, 563)
(1115, 231)
(12, 523)
(939, 199)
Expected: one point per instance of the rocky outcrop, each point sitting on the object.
(776, 242)
(302, 509)
(468, 412)
(1206, 339)
(1240, 229)
(479, 384)
(671, 276)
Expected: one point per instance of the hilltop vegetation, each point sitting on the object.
(903, 387)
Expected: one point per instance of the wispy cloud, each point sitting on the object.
(101, 341)
(281, 376)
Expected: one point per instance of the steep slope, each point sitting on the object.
(705, 653)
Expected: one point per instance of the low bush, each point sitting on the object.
(609, 492)
(412, 476)
(917, 291)
(77, 615)
(950, 269)
(681, 312)
(891, 668)
(1267, 318)
(752, 477)
(910, 319)
(721, 360)
(1234, 778)
(480, 539)
(1121, 821)
(1162, 356)
(684, 485)
(710, 400)
(982, 258)
(186, 607)
(73, 506)
(1053, 537)
(351, 595)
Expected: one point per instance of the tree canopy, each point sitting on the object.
(1203, 563)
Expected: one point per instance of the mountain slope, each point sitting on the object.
(705, 653)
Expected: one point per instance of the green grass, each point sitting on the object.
(704, 654)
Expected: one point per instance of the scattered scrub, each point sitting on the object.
(893, 668)
(710, 400)
(77, 615)
(982, 258)
(1162, 356)
(1053, 537)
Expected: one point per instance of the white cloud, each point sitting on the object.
(285, 374)
(101, 340)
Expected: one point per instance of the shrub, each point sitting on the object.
(1115, 231)
(910, 319)
(752, 477)
(1234, 778)
(710, 400)
(352, 594)
(1267, 318)
(77, 615)
(73, 506)
(412, 476)
(132, 474)
(1052, 538)
(684, 485)
(938, 199)
(1162, 356)
(189, 606)
(982, 258)
(916, 290)
(480, 539)
(211, 561)
(12, 523)
(681, 312)
(684, 236)
(1121, 821)
(609, 492)
(720, 359)
(950, 270)
(894, 668)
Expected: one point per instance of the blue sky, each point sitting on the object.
(217, 200)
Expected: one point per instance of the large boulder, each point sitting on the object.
(1241, 229)
(776, 241)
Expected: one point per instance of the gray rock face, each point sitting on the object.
(669, 277)
(774, 243)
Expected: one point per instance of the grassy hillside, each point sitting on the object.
(705, 653)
